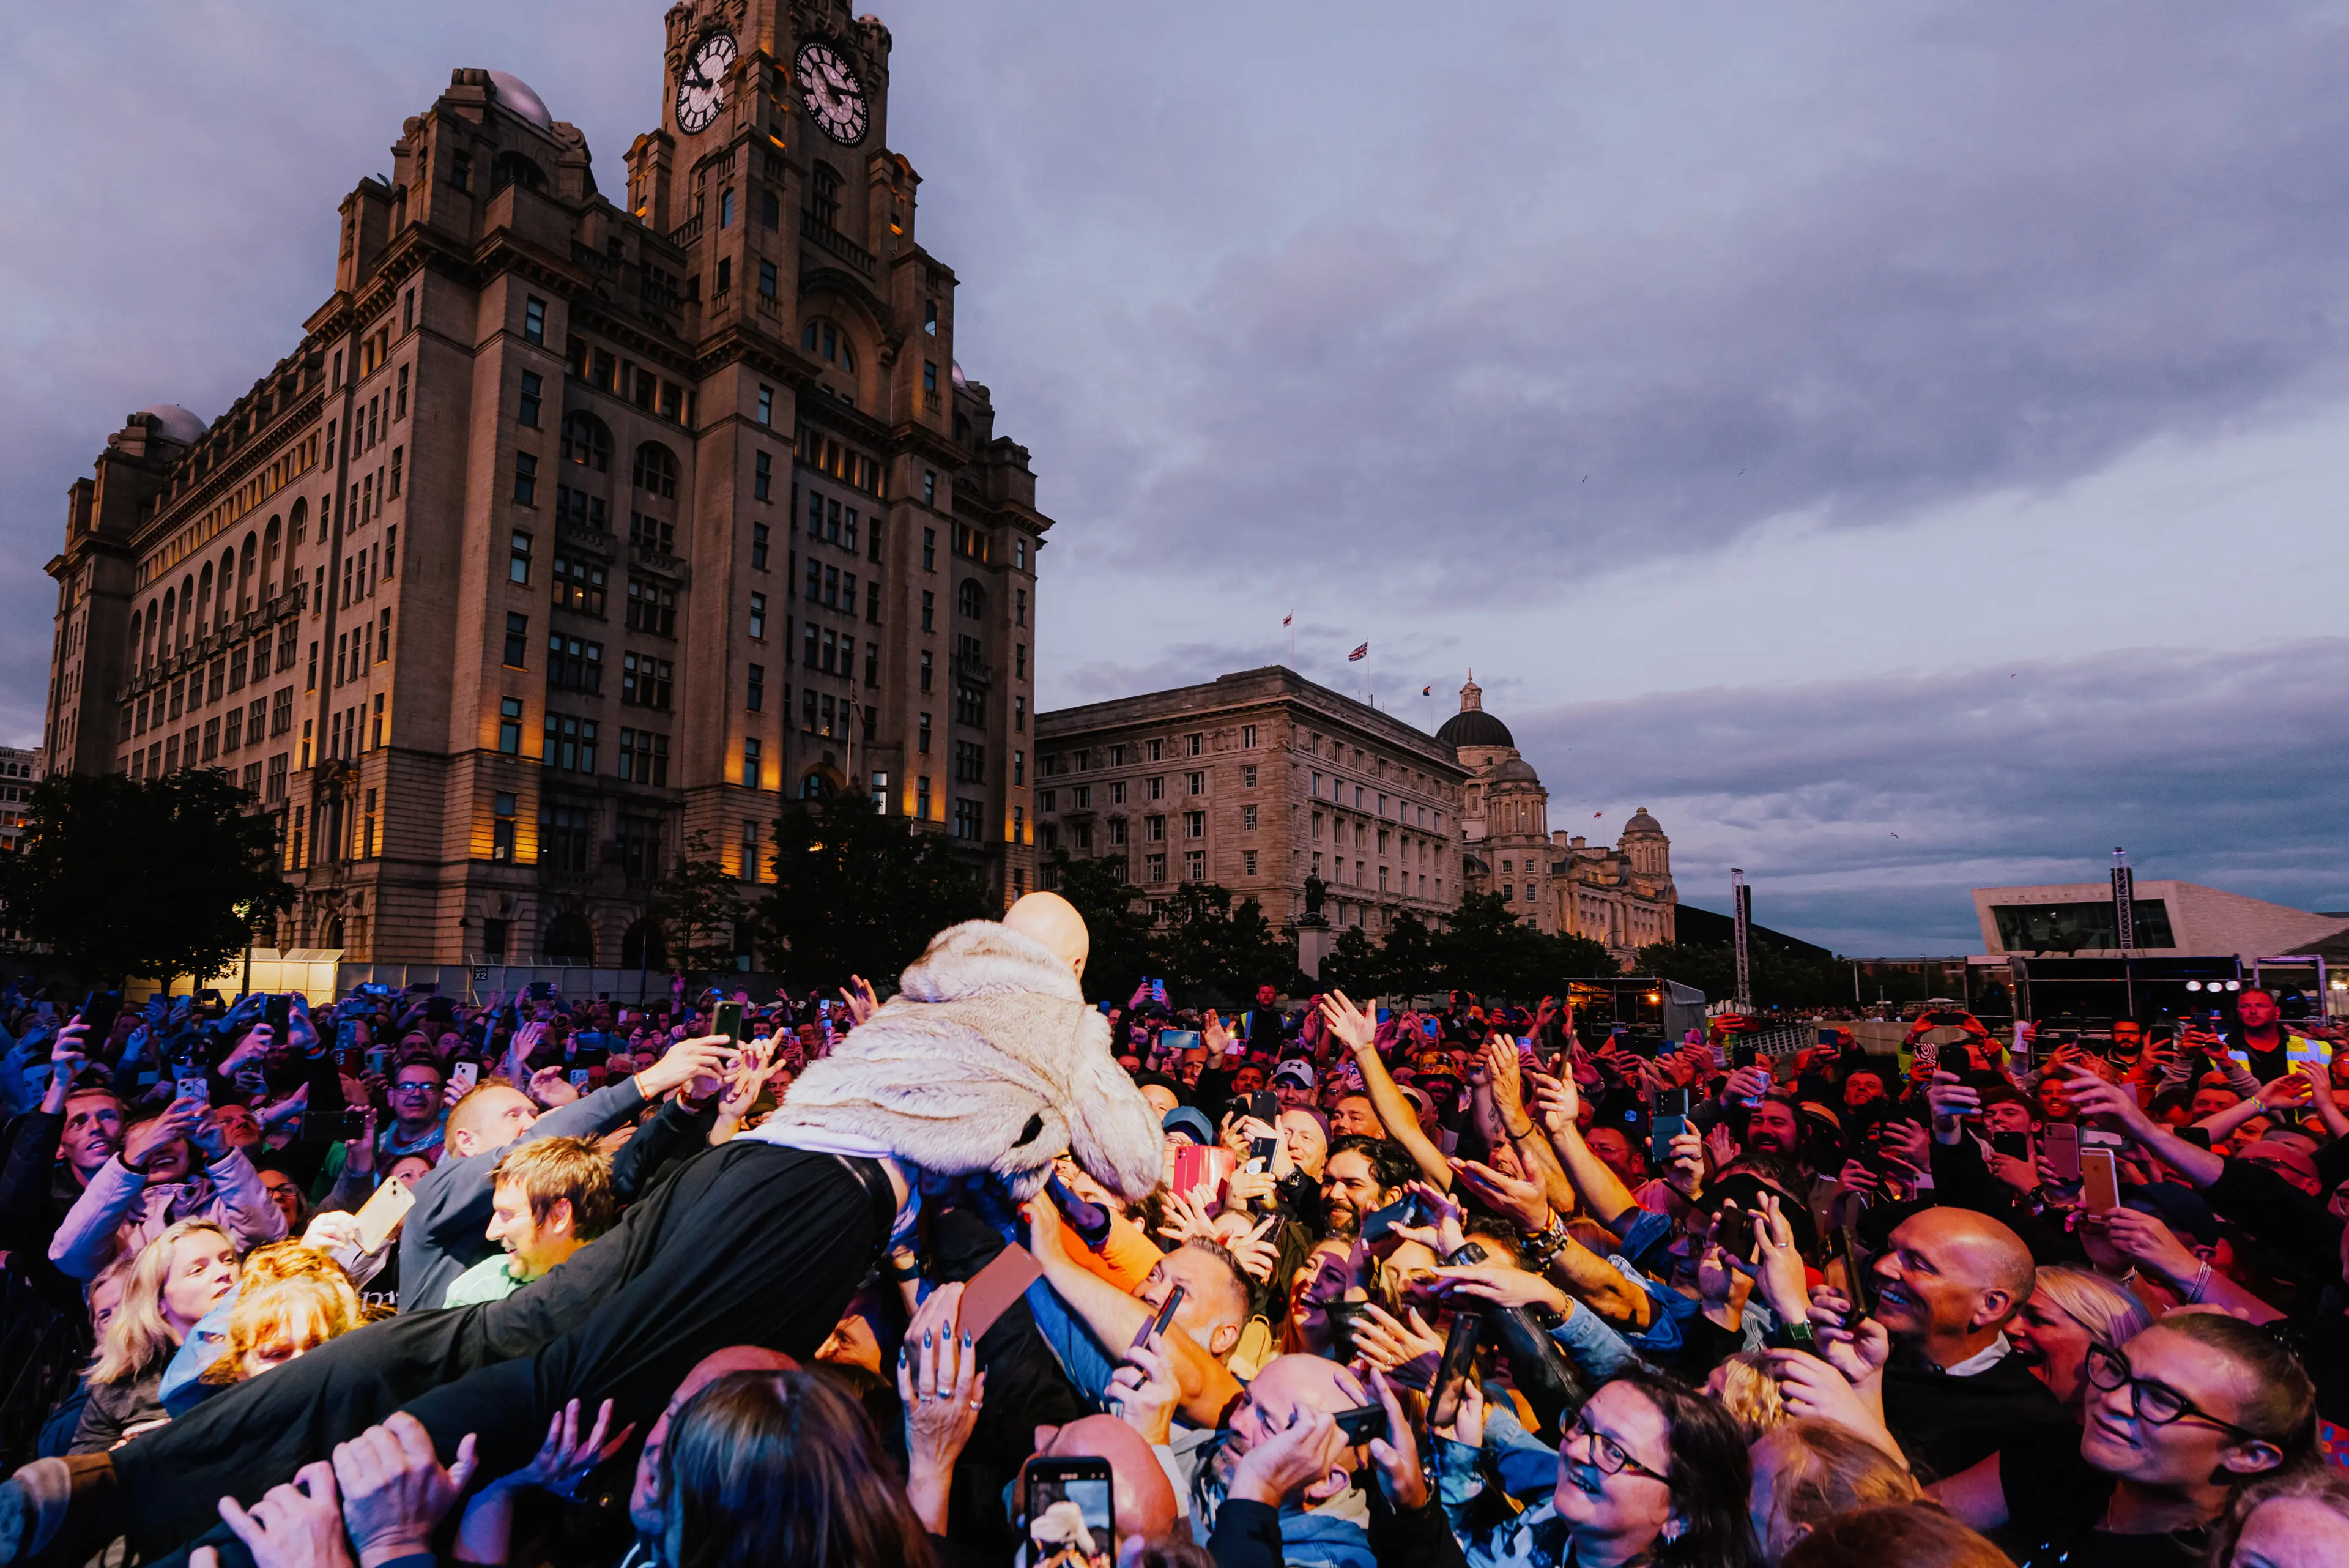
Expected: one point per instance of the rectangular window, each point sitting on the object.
(400, 396)
(756, 697)
(767, 403)
(759, 617)
(1194, 824)
(525, 490)
(1154, 867)
(758, 545)
(652, 607)
(767, 278)
(929, 610)
(644, 757)
(725, 275)
(771, 209)
(726, 208)
(926, 661)
(502, 827)
(1248, 862)
(573, 665)
(1194, 783)
(564, 833)
(579, 586)
(1247, 818)
(281, 711)
(923, 736)
(971, 705)
(570, 744)
(1117, 830)
(517, 641)
(930, 378)
(510, 726)
(762, 477)
(233, 735)
(645, 681)
(534, 313)
(277, 790)
(967, 819)
(527, 411)
(212, 739)
(750, 762)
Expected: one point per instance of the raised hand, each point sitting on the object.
(1143, 1392)
(297, 1525)
(1303, 1454)
(1508, 1286)
(395, 1492)
(942, 1386)
(862, 1002)
(565, 1460)
(1391, 1344)
(1526, 1203)
(1257, 1254)
(1397, 1453)
(1348, 1023)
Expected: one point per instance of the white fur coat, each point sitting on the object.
(990, 1059)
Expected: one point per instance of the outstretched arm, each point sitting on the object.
(1349, 1025)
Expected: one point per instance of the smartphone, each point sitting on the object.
(1380, 1222)
(347, 1035)
(2100, 1183)
(276, 1012)
(727, 1020)
(194, 1086)
(379, 1060)
(1178, 1040)
(1264, 1106)
(464, 1075)
(579, 1079)
(350, 1125)
(1385, 1014)
(992, 1289)
(1341, 1316)
(1858, 1277)
(1363, 1423)
(1672, 1103)
(99, 1011)
(1742, 1055)
(2062, 1141)
(1428, 1027)
(347, 1059)
(1735, 1235)
(1071, 1519)
(2013, 1145)
(1662, 1130)
(1162, 1319)
(1459, 1364)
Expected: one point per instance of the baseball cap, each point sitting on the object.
(1295, 1070)
(1416, 1096)
(1192, 1124)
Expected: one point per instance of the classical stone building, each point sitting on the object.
(574, 530)
(1258, 781)
(18, 769)
(1621, 896)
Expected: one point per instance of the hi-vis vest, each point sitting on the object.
(2297, 1049)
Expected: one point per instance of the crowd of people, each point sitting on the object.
(1463, 1285)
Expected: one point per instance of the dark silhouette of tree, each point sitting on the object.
(856, 892)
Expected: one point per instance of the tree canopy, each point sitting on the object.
(1123, 953)
(856, 892)
(698, 904)
(148, 877)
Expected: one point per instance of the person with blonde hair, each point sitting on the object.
(173, 1283)
(203, 1362)
(275, 1322)
(2070, 1310)
(1748, 1390)
(1808, 1471)
(551, 1197)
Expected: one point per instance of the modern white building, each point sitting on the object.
(2184, 919)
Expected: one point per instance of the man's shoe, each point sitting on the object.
(56, 1510)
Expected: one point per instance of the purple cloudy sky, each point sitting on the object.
(1902, 445)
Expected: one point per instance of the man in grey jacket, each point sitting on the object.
(142, 1192)
(447, 1231)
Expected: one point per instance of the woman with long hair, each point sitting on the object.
(775, 1469)
(2295, 1520)
(176, 1278)
(1650, 1473)
(1808, 1471)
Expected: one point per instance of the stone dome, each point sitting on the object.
(178, 424)
(1475, 727)
(1641, 822)
(1515, 770)
(516, 95)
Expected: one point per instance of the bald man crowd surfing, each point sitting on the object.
(1337, 1284)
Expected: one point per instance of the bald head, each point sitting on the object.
(1144, 1499)
(1048, 919)
(644, 1498)
(1285, 1388)
(1950, 1281)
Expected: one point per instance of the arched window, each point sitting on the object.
(154, 620)
(244, 571)
(971, 599)
(513, 169)
(569, 939)
(585, 441)
(272, 541)
(656, 470)
(227, 576)
(828, 341)
(204, 599)
(138, 620)
(187, 609)
(816, 785)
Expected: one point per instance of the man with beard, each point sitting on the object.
(1361, 1176)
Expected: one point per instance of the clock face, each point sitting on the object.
(832, 93)
(701, 90)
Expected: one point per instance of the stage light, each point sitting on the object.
(2234, 985)
(2193, 985)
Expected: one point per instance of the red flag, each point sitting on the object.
(1427, 690)
(1362, 652)
(1598, 814)
(1289, 617)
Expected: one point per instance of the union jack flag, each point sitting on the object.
(1362, 652)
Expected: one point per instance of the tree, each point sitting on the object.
(1123, 954)
(1409, 960)
(699, 904)
(1219, 951)
(1488, 951)
(1353, 966)
(859, 893)
(146, 878)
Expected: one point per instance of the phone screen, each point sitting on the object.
(1071, 1520)
(728, 1021)
(2100, 1186)
(464, 1075)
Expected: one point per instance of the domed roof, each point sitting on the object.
(178, 424)
(1515, 770)
(1475, 727)
(1643, 823)
(516, 95)
(958, 380)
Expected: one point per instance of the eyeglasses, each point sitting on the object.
(1607, 1456)
(2155, 1404)
(416, 1088)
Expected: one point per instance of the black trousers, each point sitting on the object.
(745, 1244)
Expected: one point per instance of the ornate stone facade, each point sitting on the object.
(1622, 896)
(574, 530)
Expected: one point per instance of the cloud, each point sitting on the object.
(2221, 769)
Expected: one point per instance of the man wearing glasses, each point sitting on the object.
(417, 1112)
